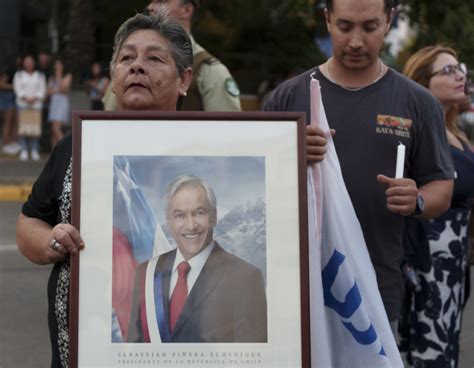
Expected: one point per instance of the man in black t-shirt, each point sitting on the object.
(372, 108)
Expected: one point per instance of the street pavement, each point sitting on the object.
(466, 355)
(17, 177)
(24, 340)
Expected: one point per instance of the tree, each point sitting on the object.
(260, 39)
(449, 22)
(80, 41)
(257, 39)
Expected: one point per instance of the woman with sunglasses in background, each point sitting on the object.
(435, 316)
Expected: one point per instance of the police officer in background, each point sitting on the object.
(213, 88)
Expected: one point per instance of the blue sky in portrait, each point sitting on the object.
(236, 180)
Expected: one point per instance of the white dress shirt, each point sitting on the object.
(196, 263)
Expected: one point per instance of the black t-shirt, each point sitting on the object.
(369, 124)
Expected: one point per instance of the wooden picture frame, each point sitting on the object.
(255, 163)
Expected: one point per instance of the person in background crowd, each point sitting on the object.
(10, 145)
(30, 90)
(44, 63)
(59, 87)
(213, 87)
(435, 318)
(372, 109)
(96, 86)
(45, 66)
(466, 109)
(150, 70)
(18, 63)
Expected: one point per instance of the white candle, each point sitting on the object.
(400, 161)
(315, 95)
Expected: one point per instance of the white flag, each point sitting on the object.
(349, 325)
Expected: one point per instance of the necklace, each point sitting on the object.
(380, 75)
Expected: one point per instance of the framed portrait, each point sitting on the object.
(195, 231)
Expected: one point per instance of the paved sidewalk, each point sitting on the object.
(17, 177)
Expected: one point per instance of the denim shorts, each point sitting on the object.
(7, 100)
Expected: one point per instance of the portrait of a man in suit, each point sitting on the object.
(201, 292)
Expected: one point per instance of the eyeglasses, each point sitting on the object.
(450, 70)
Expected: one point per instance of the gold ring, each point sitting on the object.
(55, 245)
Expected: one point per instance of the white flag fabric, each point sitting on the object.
(144, 231)
(349, 325)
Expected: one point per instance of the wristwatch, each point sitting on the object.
(420, 205)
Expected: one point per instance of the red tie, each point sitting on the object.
(180, 293)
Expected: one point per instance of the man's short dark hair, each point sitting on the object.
(389, 4)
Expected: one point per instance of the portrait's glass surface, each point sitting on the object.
(146, 225)
(242, 300)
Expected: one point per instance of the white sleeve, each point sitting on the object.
(17, 86)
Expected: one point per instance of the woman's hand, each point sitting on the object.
(63, 240)
(43, 244)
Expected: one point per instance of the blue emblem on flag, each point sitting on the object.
(352, 302)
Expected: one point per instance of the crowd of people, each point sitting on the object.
(368, 104)
(35, 101)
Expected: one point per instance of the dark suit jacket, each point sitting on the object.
(226, 304)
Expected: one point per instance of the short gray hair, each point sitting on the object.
(165, 26)
(193, 181)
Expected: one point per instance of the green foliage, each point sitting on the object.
(109, 16)
(256, 39)
(266, 37)
(448, 22)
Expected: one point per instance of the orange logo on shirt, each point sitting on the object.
(394, 125)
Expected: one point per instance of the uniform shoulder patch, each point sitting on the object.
(231, 87)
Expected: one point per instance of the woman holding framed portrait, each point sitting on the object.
(151, 69)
